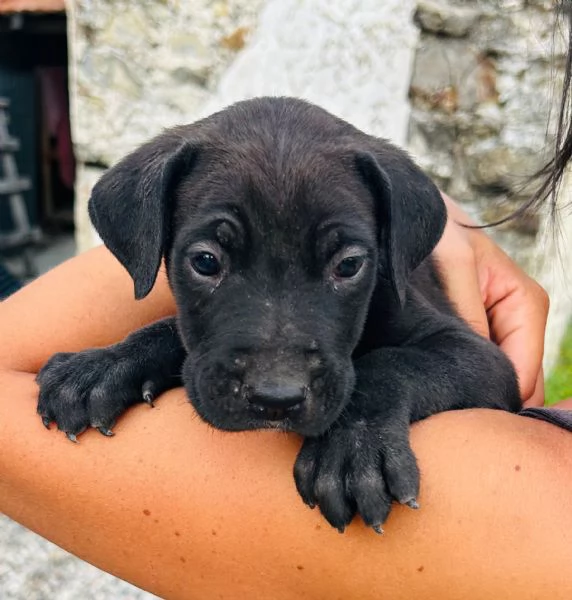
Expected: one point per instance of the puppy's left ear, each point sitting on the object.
(410, 211)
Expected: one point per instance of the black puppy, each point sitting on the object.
(298, 250)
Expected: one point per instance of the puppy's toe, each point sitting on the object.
(335, 505)
(401, 474)
(321, 480)
(50, 372)
(305, 469)
(371, 495)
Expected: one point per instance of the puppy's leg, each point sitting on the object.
(365, 461)
(93, 387)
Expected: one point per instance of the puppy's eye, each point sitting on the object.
(206, 264)
(349, 267)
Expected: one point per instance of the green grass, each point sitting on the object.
(559, 384)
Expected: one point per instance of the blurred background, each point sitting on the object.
(470, 87)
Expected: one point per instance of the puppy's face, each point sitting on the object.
(272, 266)
(276, 221)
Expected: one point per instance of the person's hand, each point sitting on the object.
(496, 298)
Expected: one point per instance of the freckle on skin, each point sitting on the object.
(300, 567)
(213, 532)
(183, 559)
(146, 512)
(155, 520)
(177, 533)
(517, 467)
(318, 527)
(420, 569)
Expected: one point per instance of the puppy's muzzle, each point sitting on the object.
(290, 389)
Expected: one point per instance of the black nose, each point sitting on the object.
(277, 397)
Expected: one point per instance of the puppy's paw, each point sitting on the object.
(357, 469)
(91, 389)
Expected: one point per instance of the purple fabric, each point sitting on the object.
(556, 416)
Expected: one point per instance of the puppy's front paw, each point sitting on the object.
(91, 389)
(358, 468)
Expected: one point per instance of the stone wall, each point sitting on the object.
(480, 76)
(485, 85)
(141, 65)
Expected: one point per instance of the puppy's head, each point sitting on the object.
(276, 221)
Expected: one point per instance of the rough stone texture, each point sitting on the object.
(141, 65)
(32, 568)
(85, 235)
(353, 57)
(440, 17)
(481, 121)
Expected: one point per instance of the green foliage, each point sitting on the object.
(559, 384)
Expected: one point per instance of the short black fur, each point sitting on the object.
(299, 251)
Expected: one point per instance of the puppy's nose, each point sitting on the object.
(277, 397)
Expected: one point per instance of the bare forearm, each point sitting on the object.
(182, 510)
(87, 301)
(178, 509)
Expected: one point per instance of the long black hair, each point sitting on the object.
(549, 177)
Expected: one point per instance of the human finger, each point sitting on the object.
(537, 398)
(517, 309)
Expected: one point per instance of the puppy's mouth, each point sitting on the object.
(274, 415)
(306, 410)
(281, 418)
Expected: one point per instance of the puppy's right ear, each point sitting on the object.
(410, 211)
(130, 206)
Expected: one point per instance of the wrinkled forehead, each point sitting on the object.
(289, 192)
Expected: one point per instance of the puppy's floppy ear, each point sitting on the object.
(410, 211)
(130, 205)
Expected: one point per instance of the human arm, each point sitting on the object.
(185, 511)
(85, 302)
(242, 530)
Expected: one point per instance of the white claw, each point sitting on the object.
(148, 395)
